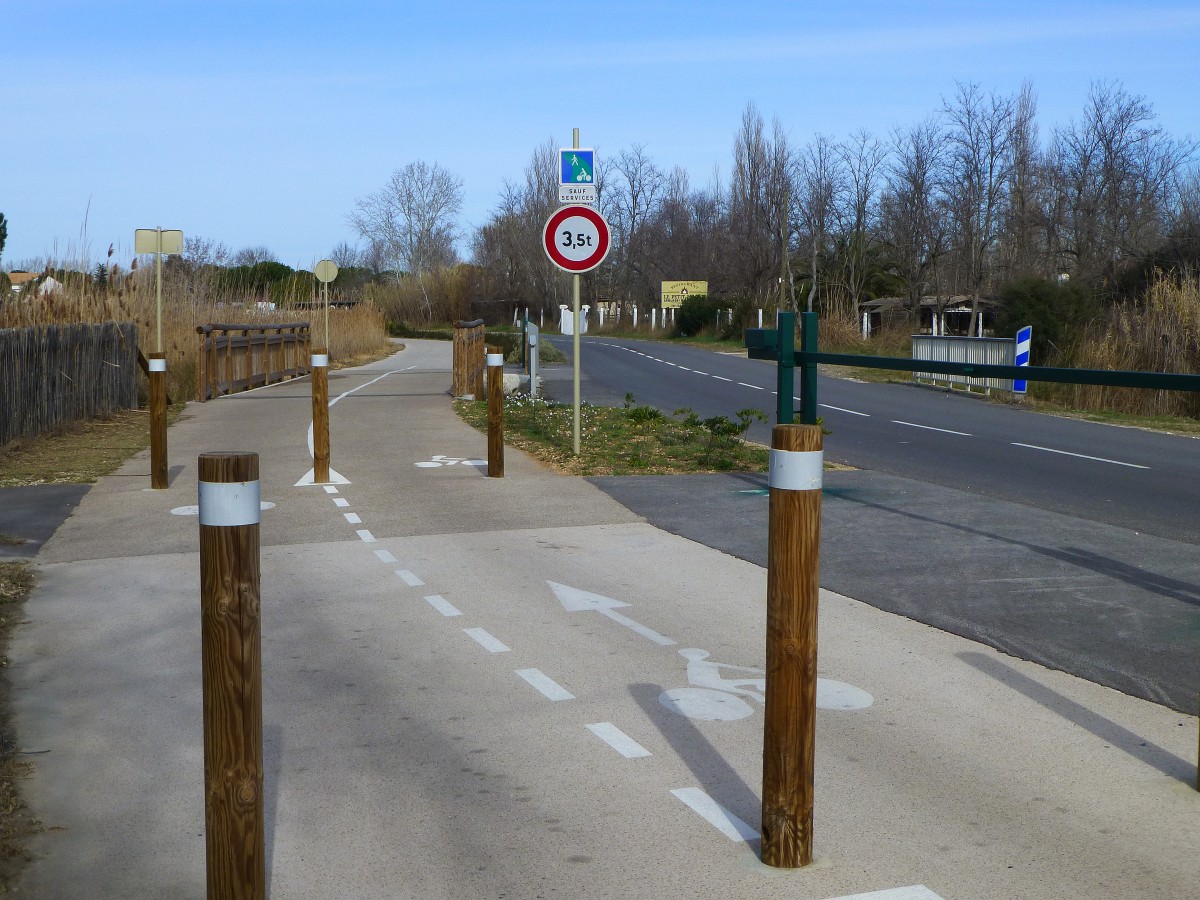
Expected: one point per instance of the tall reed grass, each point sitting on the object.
(1158, 333)
(188, 300)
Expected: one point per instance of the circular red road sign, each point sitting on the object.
(576, 238)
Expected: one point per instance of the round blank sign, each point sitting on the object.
(326, 270)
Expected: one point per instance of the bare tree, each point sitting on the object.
(632, 202)
(979, 132)
(912, 219)
(862, 159)
(252, 256)
(199, 251)
(347, 256)
(757, 186)
(819, 180)
(413, 219)
(1022, 249)
(1117, 176)
(509, 245)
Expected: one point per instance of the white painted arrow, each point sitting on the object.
(575, 600)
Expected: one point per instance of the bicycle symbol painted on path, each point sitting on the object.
(714, 697)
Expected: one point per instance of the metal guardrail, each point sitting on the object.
(970, 350)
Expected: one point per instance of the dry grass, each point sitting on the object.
(16, 824)
(187, 301)
(78, 453)
(1160, 333)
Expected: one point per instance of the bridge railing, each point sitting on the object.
(238, 357)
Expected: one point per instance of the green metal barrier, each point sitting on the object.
(772, 343)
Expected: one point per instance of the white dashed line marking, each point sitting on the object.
(547, 686)
(446, 608)
(341, 502)
(409, 578)
(365, 536)
(618, 740)
(698, 372)
(716, 815)
(385, 556)
(723, 378)
(352, 518)
(755, 386)
(330, 489)
(931, 428)
(840, 409)
(1115, 462)
(486, 640)
(913, 892)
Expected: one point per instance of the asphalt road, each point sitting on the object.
(1080, 562)
(1141, 480)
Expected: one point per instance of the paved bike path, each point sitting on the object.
(475, 687)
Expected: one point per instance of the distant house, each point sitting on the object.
(938, 315)
(18, 280)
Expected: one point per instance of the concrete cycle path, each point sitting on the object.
(516, 688)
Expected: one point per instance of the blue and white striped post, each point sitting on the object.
(1021, 357)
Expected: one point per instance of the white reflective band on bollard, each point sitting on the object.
(797, 470)
(320, 360)
(495, 359)
(158, 365)
(229, 503)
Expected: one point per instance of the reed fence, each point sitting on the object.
(52, 375)
(234, 358)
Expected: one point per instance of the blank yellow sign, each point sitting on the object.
(146, 240)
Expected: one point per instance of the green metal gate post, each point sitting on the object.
(808, 368)
(785, 371)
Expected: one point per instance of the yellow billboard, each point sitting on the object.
(675, 292)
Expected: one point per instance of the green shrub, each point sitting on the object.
(1059, 313)
(697, 313)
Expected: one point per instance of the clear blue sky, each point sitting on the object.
(261, 123)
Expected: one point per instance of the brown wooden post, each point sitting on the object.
(214, 364)
(158, 420)
(793, 554)
(232, 672)
(201, 365)
(249, 358)
(228, 360)
(456, 364)
(320, 411)
(479, 361)
(495, 380)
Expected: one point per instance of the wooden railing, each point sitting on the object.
(236, 358)
(467, 368)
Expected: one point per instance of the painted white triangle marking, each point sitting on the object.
(310, 479)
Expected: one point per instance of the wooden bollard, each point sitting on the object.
(157, 365)
(320, 415)
(232, 675)
(495, 370)
(797, 462)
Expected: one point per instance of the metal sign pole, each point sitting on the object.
(158, 283)
(575, 335)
